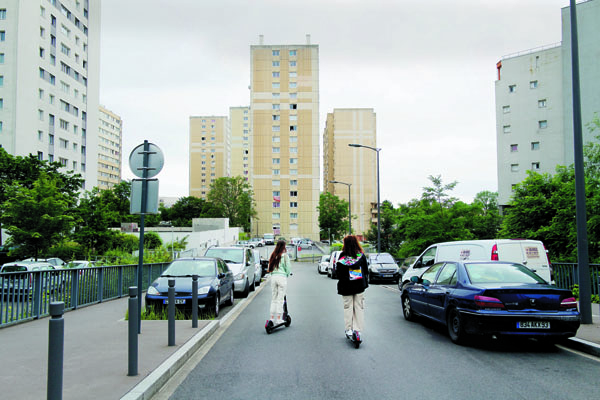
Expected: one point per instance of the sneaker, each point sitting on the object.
(348, 333)
(279, 321)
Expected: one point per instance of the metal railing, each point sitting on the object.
(26, 296)
(566, 275)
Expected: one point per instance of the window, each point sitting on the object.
(276, 106)
(293, 193)
(292, 63)
(63, 161)
(293, 74)
(276, 193)
(276, 139)
(533, 84)
(41, 115)
(293, 95)
(276, 63)
(542, 103)
(293, 106)
(293, 171)
(64, 124)
(65, 49)
(275, 74)
(535, 146)
(42, 53)
(293, 150)
(293, 215)
(292, 53)
(275, 128)
(542, 124)
(293, 118)
(275, 95)
(293, 139)
(2, 36)
(293, 161)
(276, 215)
(514, 167)
(275, 85)
(275, 182)
(1, 58)
(51, 139)
(275, 53)
(3, 13)
(40, 136)
(276, 161)
(275, 172)
(506, 129)
(293, 182)
(40, 156)
(64, 144)
(293, 204)
(514, 148)
(506, 109)
(293, 128)
(513, 187)
(276, 149)
(51, 158)
(512, 88)
(276, 117)
(42, 32)
(293, 85)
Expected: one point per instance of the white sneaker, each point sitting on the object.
(279, 321)
(348, 332)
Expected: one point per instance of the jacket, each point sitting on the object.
(353, 274)
(284, 266)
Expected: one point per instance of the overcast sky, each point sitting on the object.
(426, 67)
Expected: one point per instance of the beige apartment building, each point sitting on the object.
(209, 150)
(284, 160)
(110, 142)
(354, 166)
(239, 122)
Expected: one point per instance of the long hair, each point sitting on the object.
(276, 255)
(351, 246)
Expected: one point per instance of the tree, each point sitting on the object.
(333, 214)
(438, 191)
(187, 208)
(232, 198)
(389, 233)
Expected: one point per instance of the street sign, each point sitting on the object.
(151, 199)
(155, 163)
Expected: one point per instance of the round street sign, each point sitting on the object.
(156, 161)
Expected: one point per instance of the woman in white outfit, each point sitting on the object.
(279, 267)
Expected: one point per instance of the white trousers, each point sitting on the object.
(354, 312)
(278, 290)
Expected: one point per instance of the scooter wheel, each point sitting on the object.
(269, 326)
(356, 345)
(288, 321)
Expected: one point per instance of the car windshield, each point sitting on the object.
(13, 268)
(230, 256)
(191, 267)
(383, 258)
(501, 273)
(324, 258)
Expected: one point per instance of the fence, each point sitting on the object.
(27, 295)
(566, 275)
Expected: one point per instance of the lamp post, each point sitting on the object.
(375, 149)
(349, 205)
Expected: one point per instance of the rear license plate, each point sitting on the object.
(533, 325)
(177, 301)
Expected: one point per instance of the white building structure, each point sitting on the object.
(49, 82)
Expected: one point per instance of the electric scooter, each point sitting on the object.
(355, 338)
(270, 326)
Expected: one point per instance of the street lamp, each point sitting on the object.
(349, 205)
(378, 213)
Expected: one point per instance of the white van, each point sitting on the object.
(530, 253)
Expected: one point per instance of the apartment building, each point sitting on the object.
(239, 121)
(110, 143)
(284, 116)
(49, 86)
(209, 152)
(356, 167)
(534, 106)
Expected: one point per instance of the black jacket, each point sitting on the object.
(353, 274)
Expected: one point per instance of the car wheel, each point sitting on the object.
(217, 305)
(407, 310)
(230, 300)
(246, 289)
(455, 326)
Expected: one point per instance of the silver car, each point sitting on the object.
(258, 267)
(323, 264)
(241, 262)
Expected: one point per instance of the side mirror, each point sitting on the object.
(414, 279)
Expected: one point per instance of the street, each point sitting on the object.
(398, 359)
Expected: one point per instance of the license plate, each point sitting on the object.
(177, 301)
(387, 276)
(533, 325)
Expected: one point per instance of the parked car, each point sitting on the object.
(257, 242)
(241, 262)
(323, 264)
(530, 253)
(20, 283)
(491, 298)
(332, 261)
(264, 264)
(269, 238)
(215, 285)
(383, 267)
(245, 243)
(305, 243)
(81, 264)
(57, 262)
(257, 267)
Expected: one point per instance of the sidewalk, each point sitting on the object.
(95, 354)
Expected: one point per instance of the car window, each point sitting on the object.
(448, 275)
(432, 272)
(501, 273)
(14, 268)
(221, 266)
(191, 267)
(429, 256)
(383, 258)
(235, 256)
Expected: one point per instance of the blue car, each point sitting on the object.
(215, 285)
(491, 298)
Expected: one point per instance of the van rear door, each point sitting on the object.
(530, 253)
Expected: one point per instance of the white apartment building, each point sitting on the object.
(534, 106)
(239, 129)
(49, 82)
(110, 143)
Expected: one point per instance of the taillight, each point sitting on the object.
(486, 302)
(569, 303)
(495, 253)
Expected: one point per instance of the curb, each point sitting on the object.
(150, 385)
(582, 345)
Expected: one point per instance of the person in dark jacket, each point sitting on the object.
(352, 272)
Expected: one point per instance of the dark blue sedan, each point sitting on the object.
(491, 298)
(215, 285)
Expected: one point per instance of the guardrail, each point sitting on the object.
(26, 296)
(566, 275)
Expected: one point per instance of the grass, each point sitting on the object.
(152, 314)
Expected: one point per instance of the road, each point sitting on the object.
(312, 359)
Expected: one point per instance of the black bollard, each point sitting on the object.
(133, 332)
(171, 313)
(56, 345)
(194, 301)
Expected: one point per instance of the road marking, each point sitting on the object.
(591, 357)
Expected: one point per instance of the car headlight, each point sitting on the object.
(239, 276)
(152, 290)
(374, 269)
(204, 290)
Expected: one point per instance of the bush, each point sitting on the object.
(152, 240)
(575, 290)
(67, 251)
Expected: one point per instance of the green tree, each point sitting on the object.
(333, 215)
(187, 208)
(233, 198)
(438, 192)
(486, 218)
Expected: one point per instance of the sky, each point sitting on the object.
(427, 68)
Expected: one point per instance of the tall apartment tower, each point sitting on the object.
(354, 166)
(49, 82)
(109, 149)
(209, 152)
(284, 161)
(534, 105)
(239, 121)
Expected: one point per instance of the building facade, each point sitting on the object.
(354, 166)
(209, 152)
(534, 105)
(110, 143)
(284, 161)
(239, 121)
(49, 82)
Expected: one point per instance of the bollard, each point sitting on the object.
(56, 344)
(171, 313)
(132, 352)
(194, 301)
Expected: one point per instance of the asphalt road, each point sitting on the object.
(312, 359)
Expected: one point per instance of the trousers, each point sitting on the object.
(278, 290)
(354, 312)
